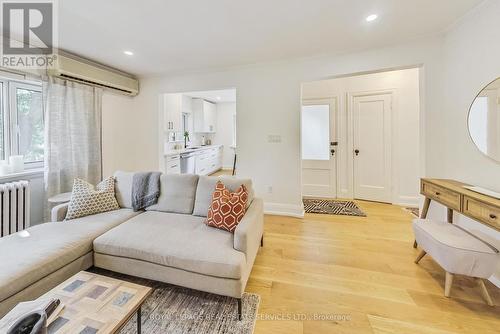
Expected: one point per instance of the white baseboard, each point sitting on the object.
(410, 201)
(495, 280)
(281, 209)
(344, 193)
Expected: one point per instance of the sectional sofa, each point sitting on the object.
(167, 242)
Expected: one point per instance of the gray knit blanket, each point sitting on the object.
(145, 189)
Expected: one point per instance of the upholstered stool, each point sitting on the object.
(457, 251)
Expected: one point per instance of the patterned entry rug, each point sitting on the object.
(172, 309)
(332, 207)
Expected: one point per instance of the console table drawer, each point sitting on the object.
(486, 213)
(445, 196)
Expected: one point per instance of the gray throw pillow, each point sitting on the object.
(177, 193)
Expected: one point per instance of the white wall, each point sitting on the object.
(224, 134)
(123, 131)
(471, 58)
(405, 131)
(268, 99)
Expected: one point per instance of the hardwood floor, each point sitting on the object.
(222, 172)
(360, 274)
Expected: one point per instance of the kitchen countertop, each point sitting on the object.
(185, 150)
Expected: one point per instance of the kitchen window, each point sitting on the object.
(22, 122)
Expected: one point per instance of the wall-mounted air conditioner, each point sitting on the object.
(77, 69)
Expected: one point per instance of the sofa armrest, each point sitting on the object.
(248, 233)
(58, 213)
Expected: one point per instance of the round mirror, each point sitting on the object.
(484, 120)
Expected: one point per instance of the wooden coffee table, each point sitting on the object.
(92, 303)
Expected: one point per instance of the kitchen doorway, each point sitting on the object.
(198, 132)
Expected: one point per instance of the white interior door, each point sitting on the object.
(318, 136)
(372, 147)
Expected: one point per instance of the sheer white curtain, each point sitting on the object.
(72, 134)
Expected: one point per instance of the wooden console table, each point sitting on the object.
(452, 194)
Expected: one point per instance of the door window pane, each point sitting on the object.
(30, 122)
(316, 132)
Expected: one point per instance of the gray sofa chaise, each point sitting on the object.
(168, 242)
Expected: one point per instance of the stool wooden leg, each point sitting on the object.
(420, 256)
(447, 284)
(484, 292)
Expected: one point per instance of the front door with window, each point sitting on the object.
(318, 137)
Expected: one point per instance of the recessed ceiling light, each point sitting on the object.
(371, 17)
(218, 98)
(128, 53)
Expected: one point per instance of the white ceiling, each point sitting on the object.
(172, 35)
(216, 96)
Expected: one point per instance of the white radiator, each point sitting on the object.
(14, 207)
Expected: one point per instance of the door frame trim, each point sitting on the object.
(333, 101)
(350, 96)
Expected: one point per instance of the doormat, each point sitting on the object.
(413, 211)
(332, 207)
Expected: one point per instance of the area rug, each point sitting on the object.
(413, 211)
(332, 207)
(172, 309)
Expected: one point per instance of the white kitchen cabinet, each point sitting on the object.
(205, 116)
(174, 105)
(209, 160)
(202, 163)
(172, 164)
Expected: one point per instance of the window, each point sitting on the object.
(2, 120)
(21, 122)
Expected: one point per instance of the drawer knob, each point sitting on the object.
(492, 216)
(438, 193)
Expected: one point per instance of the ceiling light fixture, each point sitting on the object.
(371, 17)
(218, 98)
(128, 53)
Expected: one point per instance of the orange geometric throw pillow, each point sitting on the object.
(227, 208)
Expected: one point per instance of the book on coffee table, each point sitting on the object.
(90, 303)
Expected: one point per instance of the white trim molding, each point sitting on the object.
(282, 209)
(407, 201)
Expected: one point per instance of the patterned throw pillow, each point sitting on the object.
(85, 200)
(227, 209)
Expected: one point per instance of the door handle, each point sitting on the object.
(332, 151)
(356, 151)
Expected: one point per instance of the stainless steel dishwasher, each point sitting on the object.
(188, 161)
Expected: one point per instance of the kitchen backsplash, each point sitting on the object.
(195, 138)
